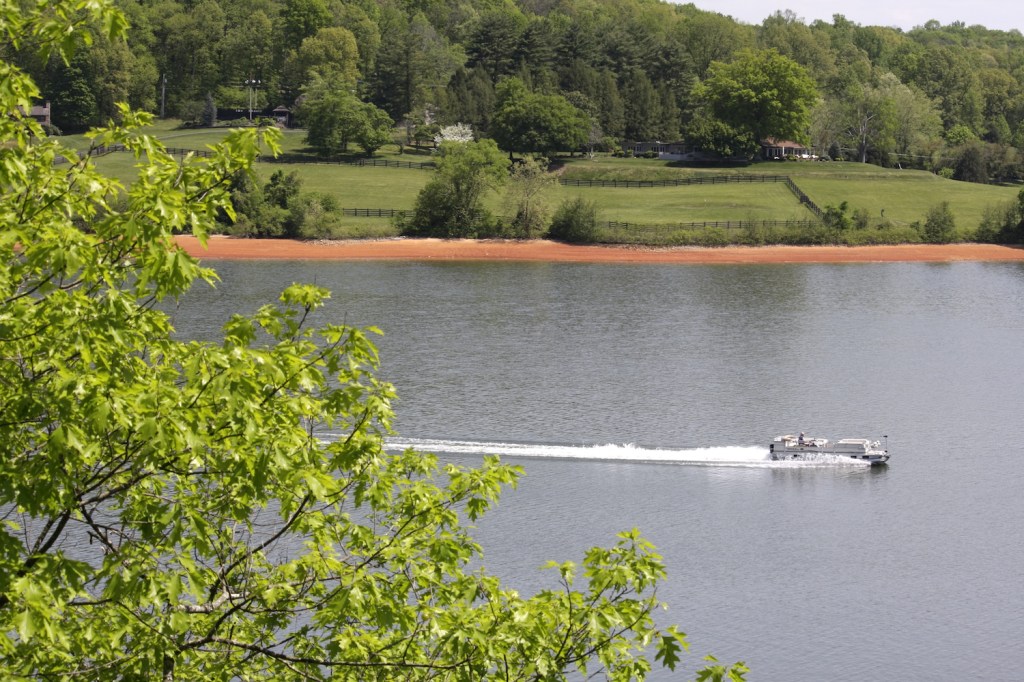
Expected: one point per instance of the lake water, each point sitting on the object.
(645, 395)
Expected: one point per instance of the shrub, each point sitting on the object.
(1003, 224)
(836, 218)
(282, 189)
(526, 198)
(314, 215)
(861, 218)
(939, 225)
(970, 165)
(575, 221)
(439, 212)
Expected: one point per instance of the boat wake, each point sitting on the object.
(725, 455)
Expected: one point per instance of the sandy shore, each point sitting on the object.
(226, 248)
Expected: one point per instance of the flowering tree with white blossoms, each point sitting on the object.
(460, 132)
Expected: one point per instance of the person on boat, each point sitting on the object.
(800, 440)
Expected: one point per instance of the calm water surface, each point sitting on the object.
(645, 396)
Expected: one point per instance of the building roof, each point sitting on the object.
(772, 142)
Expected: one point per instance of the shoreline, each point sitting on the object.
(432, 249)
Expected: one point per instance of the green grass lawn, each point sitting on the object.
(293, 141)
(905, 196)
(894, 196)
(172, 135)
(118, 165)
(690, 203)
(357, 186)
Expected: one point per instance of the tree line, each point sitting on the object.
(546, 76)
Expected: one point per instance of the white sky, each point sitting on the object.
(906, 14)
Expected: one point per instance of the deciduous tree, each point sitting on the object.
(335, 117)
(526, 197)
(939, 225)
(331, 53)
(710, 37)
(785, 33)
(762, 94)
(451, 204)
(526, 122)
(301, 19)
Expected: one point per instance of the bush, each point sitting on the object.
(451, 204)
(939, 225)
(861, 218)
(836, 218)
(282, 189)
(263, 210)
(440, 213)
(314, 215)
(1003, 224)
(970, 165)
(575, 221)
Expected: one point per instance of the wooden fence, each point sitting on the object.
(804, 199)
(703, 180)
(701, 225)
(385, 163)
(676, 182)
(374, 212)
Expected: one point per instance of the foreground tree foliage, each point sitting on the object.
(173, 509)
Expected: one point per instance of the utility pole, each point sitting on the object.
(163, 94)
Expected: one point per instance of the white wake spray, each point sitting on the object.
(628, 452)
(722, 455)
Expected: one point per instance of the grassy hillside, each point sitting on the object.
(653, 205)
(892, 197)
(904, 195)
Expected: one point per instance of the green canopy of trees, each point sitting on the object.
(645, 70)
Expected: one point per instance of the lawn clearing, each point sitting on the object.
(357, 186)
(690, 203)
(904, 197)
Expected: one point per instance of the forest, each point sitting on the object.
(949, 99)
